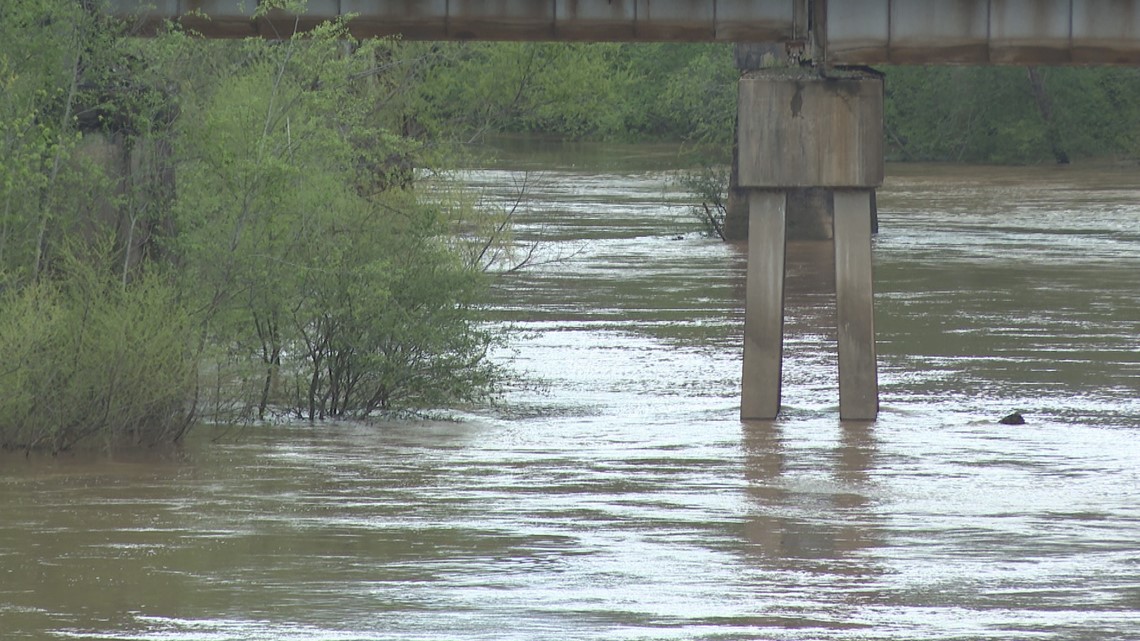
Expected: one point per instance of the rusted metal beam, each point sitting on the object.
(577, 20)
(840, 32)
(1021, 32)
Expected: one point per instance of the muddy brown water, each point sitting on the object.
(621, 498)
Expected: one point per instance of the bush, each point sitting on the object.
(93, 360)
(325, 294)
(388, 322)
(709, 185)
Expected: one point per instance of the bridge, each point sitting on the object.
(818, 123)
(843, 32)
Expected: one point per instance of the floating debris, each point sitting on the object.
(1013, 419)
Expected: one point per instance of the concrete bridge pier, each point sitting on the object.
(808, 213)
(796, 130)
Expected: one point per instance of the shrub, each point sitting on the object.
(93, 360)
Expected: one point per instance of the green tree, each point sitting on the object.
(40, 64)
(682, 91)
(563, 89)
(1096, 110)
(96, 356)
(341, 285)
(89, 360)
(174, 211)
(1011, 114)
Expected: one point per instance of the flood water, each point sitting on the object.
(619, 496)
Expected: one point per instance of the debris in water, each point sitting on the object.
(1013, 419)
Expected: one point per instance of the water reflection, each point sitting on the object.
(813, 514)
(810, 507)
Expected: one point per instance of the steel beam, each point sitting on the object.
(576, 20)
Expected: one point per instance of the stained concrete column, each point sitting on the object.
(799, 130)
(855, 308)
(764, 306)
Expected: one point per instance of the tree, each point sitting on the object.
(1009, 114)
(94, 356)
(342, 287)
(174, 211)
(564, 89)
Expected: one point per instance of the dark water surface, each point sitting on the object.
(622, 498)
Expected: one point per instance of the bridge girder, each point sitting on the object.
(840, 32)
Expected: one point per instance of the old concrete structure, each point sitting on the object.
(808, 211)
(799, 129)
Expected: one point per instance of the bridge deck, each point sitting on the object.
(855, 31)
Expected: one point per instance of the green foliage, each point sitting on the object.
(576, 90)
(990, 114)
(963, 114)
(273, 185)
(92, 361)
(570, 89)
(683, 91)
(386, 322)
(1097, 109)
(304, 258)
(39, 61)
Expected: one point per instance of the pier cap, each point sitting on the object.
(798, 128)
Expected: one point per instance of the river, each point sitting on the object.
(618, 496)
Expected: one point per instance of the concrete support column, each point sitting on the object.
(854, 306)
(764, 306)
(796, 131)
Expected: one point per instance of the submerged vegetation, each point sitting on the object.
(709, 186)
